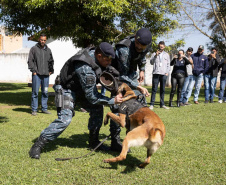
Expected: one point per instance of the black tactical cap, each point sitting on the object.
(144, 36)
(107, 49)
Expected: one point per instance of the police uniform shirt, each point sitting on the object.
(88, 81)
(128, 61)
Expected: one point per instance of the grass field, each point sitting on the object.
(193, 152)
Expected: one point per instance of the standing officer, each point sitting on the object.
(78, 79)
(40, 63)
(130, 53)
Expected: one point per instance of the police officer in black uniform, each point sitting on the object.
(130, 55)
(77, 84)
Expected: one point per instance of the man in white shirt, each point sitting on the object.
(161, 68)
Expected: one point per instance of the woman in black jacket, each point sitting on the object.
(178, 75)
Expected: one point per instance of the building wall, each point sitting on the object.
(12, 43)
(9, 42)
(13, 68)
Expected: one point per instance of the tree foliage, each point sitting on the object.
(88, 22)
(208, 16)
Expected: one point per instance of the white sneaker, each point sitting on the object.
(165, 107)
(151, 107)
(220, 101)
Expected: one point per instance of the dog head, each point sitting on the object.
(126, 91)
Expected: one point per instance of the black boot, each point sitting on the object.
(37, 147)
(116, 144)
(94, 141)
(171, 99)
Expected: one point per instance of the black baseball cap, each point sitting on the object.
(144, 36)
(190, 49)
(201, 47)
(107, 49)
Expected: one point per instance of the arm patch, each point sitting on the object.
(90, 80)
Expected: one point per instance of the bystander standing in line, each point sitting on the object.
(179, 63)
(222, 93)
(161, 68)
(210, 76)
(200, 63)
(188, 82)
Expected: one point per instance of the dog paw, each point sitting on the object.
(142, 166)
(106, 161)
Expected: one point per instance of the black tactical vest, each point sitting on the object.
(134, 61)
(67, 73)
(130, 106)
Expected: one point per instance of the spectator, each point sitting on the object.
(210, 76)
(178, 75)
(40, 63)
(161, 61)
(188, 82)
(200, 63)
(222, 93)
(78, 79)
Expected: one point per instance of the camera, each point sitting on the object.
(212, 52)
(179, 55)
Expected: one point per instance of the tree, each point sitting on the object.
(198, 11)
(88, 22)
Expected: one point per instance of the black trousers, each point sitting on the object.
(155, 82)
(177, 80)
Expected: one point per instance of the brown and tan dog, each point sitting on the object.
(145, 129)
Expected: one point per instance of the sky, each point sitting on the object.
(193, 39)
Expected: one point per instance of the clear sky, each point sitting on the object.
(192, 39)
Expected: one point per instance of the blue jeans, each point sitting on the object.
(222, 92)
(155, 82)
(65, 117)
(209, 82)
(187, 89)
(198, 82)
(38, 80)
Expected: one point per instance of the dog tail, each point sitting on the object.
(157, 135)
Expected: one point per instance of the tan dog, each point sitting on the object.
(145, 129)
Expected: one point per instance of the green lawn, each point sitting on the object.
(194, 149)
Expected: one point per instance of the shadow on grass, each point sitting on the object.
(27, 110)
(11, 86)
(130, 162)
(23, 98)
(80, 141)
(3, 119)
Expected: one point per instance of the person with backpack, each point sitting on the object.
(76, 84)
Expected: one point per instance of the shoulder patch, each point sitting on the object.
(90, 80)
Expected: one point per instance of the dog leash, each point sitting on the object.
(69, 158)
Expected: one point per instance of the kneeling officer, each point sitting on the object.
(77, 84)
